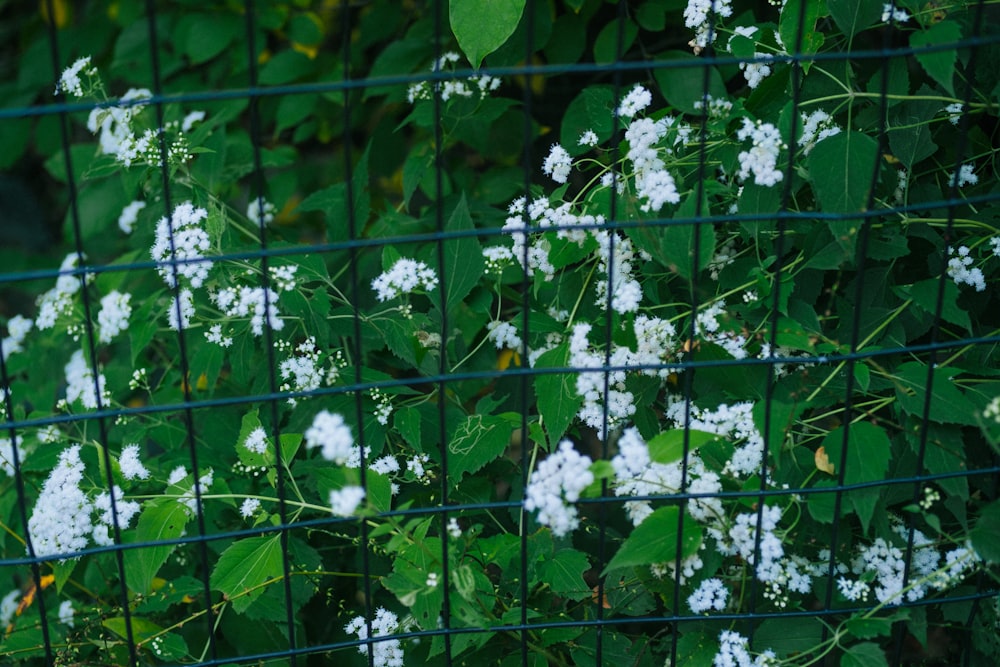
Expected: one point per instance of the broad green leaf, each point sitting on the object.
(866, 628)
(169, 646)
(782, 418)
(655, 541)
(476, 441)
(789, 30)
(790, 635)
(285, 67)
(678, 241)
(251, 421)
(909, 132)
(563, 572)
(841, 169)
(378, 491)
(244, 566)
(867, 654)
(925, 295)
(948, 405)
(592, 109)
(940, 64)
(209, 35)
(682, 80)
(614, 40)
(482, 26)
(867, 460)
(160, 520)
(986, 535)
(668, 446)
(853, 16)
(463, 258)
(558, 400)
(407, 422)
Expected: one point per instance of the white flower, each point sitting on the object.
(711, 594)
(964, 176)
(638, 99)
(816, 127)
(58, 301)
(556, 482)
(17, 328)
(215, 335)
(588, 138)
(889, 12)
(382, 653)
(405, 276)
(130, 464)
(954, 111)
(66, 613)
(60, 521)
(7, 449)
(757, 71)
(124, 510)
(8, 605)
(249, 507)
(80, 385)
(185, 307)
(112, 319)
(345, 501)
(260, 211)
(960, 269)
(129, 216)
(283, 277)
(504, 335)
(762, 159)
(557, 164)
(332, 436)
(734, 651)
(256, 441)
(701, 15)
(179, 243)
(70, 82)
(254, 303)
(190, 119)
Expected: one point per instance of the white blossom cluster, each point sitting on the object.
(504, 335)
(112, 319)
(711, 595)
(303, 370)
(637, 100)
(260, 211)
(333, 436)
(816, 127)
(733, 422)
(256, 441)
(188, 497)
(960, 268)
(124, 510)
(181, 310)
(58, 301)
(130, 464)
(482, 85)
(757, 70)
(70, 81)
(258, 304)
(555, 484)
(734, 651)
(80, 383)
(741, 538)
(8, 449)
(955, 111)
(383, 653)
(66, 613)
(403, 277)
(60, 522)
(965, 175)
(130, 215)
(892, 13)
(345, 501)
(17, 329)
(181, 244)
(702, 15)
(249, 507)
(557, 164)
(762, 159)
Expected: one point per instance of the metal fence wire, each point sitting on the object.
(765, 335)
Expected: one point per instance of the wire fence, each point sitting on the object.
(768, 335)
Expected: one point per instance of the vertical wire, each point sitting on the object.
(354, 232)
(92, 363)
(185, 366)
(442, 384)
(779, 252)
(960, 148)
(257, 193)
(527, 99)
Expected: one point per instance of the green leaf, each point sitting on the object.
(463, 258)
(169, 646)
(668, 446)
(558, 400)
(841, 169)
(939, 64)
(407, 422)
(986, 535)
(853, 16)
(592, 109)
(948, 405)
(790, 635)
(925, 294)
(866, 628)
(655, 541)
(210, 34)
(160, 520)
(788, 26)
(563, 572)
(867, 460)
(482, 26)
(867, 654)
(476, 441)
(909, 133)
(683, 84)
(608, 48)
(678, 240)
(244, 566)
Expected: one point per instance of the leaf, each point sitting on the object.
(678, 245)
(244, 566)
(683, 84)
(948, 405)
(592, 109)
(463, 258)
(668, 446)
(169, 646)
(986, 535)
(159, 521)
(866, 460)
(482, 26)
(867, 654)
(853, 16)
(789, 635)
(655, 541)
(476, 441)
(909, 132)
(788, 26)
(841, 169)
(939, 64)
(823, 461)
(609, 47)
(866, 628)
(925, 295)
(210, 34)
(558, 400)
(563, 572)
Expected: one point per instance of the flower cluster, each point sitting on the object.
(403, 277)
(701, 15)
(180, 246)
(472, 86)
(381, 653)
(333, 436)
(557, 482)
(81, 384)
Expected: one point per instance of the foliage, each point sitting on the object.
(323, 365)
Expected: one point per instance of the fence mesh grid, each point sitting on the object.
(189, 419)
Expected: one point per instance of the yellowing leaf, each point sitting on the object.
(823, 461)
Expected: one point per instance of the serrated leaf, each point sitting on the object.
(948, 405)
(789, 635)
(463, 258)
(482, 26)
(563, 572)
(244, 566)
(939, 64)
(841, 168)
(687, 248)
(159, 521)
(925, 295)
(986, 535)
(789, 26)
(170, 646)
(867, 654)
(592, 109)
(853, 16)
(866, 460)
(476, 441)
(558, 400)
(655, 541)
(866, 628)
(683, 84)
